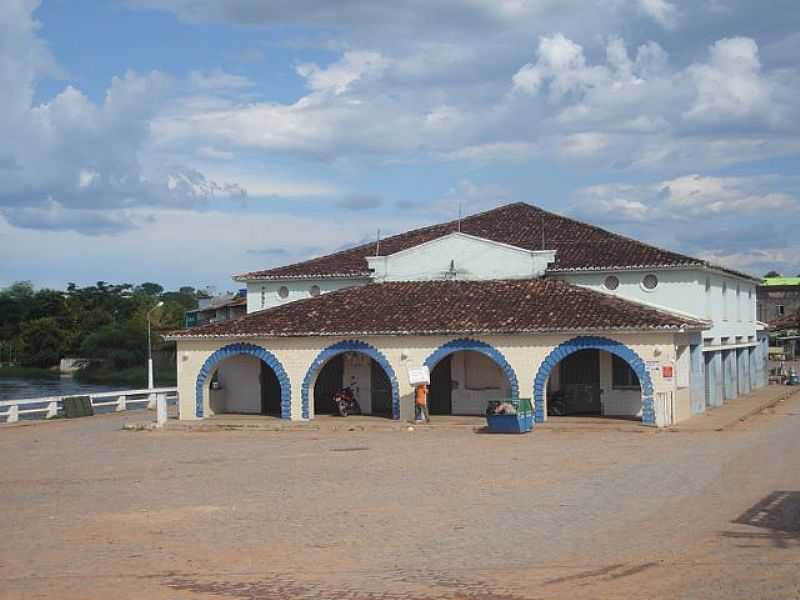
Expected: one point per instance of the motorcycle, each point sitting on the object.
(346, 402)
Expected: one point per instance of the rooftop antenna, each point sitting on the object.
(459, 216)
(378, 243)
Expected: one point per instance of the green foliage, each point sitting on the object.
(119, 345)
(774, 274)
(43, 342)
(106, 322)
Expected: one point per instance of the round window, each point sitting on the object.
(314, 290)
(611, 282)
(283, 291)
(650, 282)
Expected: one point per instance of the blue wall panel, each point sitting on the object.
(697, 379)
(729, 374)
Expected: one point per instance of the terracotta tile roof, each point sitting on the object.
(790, 321)
(578, 246)
(457, 307)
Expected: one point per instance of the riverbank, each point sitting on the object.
(27, 373)
(133, 378)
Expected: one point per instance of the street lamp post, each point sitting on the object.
(150, 349)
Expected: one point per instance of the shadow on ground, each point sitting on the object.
(778, 514)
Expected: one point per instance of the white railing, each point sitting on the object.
(12, 409)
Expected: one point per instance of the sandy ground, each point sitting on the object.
(91, 511)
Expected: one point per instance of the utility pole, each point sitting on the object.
(150, 348)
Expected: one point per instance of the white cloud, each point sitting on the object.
(741, 222)
(730, 85)
(338, 77)
(218, 80)
(661, 11)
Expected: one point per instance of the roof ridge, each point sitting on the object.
(418, 230)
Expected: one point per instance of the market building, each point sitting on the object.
(513, 302)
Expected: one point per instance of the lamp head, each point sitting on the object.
(160, 303)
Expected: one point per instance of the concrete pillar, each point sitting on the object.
(754, 381)
(742, 372)
(729, 374)
(52, 409)
(161, 410)
(714, 383)
(697, 379)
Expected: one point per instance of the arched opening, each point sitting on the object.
(358, 366)
(596, 377)
(594, 383)
(243, 379)
(465, 376)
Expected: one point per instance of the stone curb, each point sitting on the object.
(762, 407)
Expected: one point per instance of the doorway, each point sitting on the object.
(440, 394)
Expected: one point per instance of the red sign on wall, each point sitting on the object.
(666, 371)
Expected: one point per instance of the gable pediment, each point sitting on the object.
(462, 257)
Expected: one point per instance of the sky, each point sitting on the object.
(184, 141)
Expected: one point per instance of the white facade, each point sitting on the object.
(274, 292)
(701, 294)
(463, 257)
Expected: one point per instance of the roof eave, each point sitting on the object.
(249, 277)
(537, 331)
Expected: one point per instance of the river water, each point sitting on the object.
(17, 389)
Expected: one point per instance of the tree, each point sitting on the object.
(118, 345)
(43, 342)
(772, 274)
(149, 289)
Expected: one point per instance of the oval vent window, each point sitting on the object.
(611, 282)
(314, 291)
(650, 282)
(283, 291)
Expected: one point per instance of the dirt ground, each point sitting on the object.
(92, 511)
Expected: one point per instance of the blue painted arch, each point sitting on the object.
(493, 353)
(340, 348)
(250, 349)
(594, 343)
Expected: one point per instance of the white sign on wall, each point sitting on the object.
(419, 375)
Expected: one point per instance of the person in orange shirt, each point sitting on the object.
(421, 404)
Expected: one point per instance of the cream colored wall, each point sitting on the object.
(525, 353)
(240, 386)
(617, 402)
(477, 379)
(357, 375)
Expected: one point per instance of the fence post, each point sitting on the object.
(161, 410)
(12, 416)
(151, 401)
(121, 405)
(52, 409)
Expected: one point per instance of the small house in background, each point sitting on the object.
(217, 309)
(778, 297)
(784, 334)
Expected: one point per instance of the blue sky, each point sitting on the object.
(183, 141)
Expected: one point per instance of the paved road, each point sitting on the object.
(95, 512)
